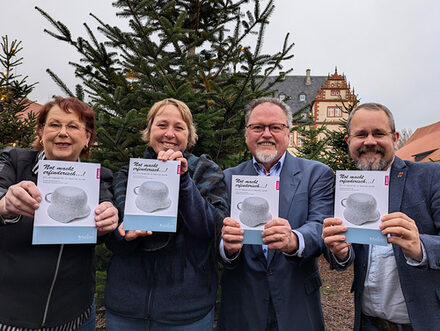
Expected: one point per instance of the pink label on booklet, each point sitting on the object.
(98, 173)
(387, 180)
(178, 169)
(278, 185)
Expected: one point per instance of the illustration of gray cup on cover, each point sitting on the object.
(254, 211)
(152, 196)
(360, 208)
(67, 203)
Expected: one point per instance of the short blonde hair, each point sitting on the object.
(184, 111)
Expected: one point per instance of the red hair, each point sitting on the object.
(69, 104)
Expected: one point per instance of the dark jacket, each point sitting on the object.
(414, 191)
(28, 271)
(170, 278)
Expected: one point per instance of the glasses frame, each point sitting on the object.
(250, 127)
(66, 127)
(378, 135)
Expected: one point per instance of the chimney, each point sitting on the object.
(308, 78)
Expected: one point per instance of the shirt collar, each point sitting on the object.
(274, 171)
(40, 156)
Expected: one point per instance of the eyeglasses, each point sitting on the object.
(273, 128)
(377, 135)
(71, 128)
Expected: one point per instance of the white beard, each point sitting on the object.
(264, 157)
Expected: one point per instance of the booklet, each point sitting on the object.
(152, 195)
(70, 192)
(254, 202)
(361, 199)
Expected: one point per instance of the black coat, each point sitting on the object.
(27, 271)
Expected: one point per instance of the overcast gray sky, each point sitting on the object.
(389, 50)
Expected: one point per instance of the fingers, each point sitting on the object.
(333, 227)
(133, 234)
(334, 239)
(106, 218)
(130, 235)
(183, 164)
(277, 234)
(232, 235)
(170, 155)
(402, 231)
(22, 199)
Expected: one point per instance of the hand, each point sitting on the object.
(333, 239)
(404, 232)
(170, 155)
(130, 235)
(278, 234)
(106, 218)
(21, 199)
(232, 235)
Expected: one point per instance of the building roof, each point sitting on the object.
(33, 106)
(294, 86)
(423, 145)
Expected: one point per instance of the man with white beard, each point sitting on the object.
(275, 286)
(397, 287)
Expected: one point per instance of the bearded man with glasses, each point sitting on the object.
(397, 287)
(275, 286)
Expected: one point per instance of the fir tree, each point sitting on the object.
(195, 51)
(337, 156)
(313, 142)
(15, 129)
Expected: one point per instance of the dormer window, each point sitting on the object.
(282, 96)
(302, 97)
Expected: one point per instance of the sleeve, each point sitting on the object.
(105, 185)
(8, 177)
(8, 172)
(320, 206)
(431, 241)
(203, 199)
(335, 264)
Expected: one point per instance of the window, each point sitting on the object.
(335, 92)
(331, 111)
(302, 97)
(282, 96)
(334, 111)
(299, 142)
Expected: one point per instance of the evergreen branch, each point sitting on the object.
(60, 83)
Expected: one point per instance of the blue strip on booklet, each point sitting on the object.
(252, 237)
(64, 235)
(150, 223)
(365, 236)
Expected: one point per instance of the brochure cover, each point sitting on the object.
(70, 192)
(254, 202)
(152, 195)
(361, 199)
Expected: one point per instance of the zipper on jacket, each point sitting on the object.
(52, 285)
